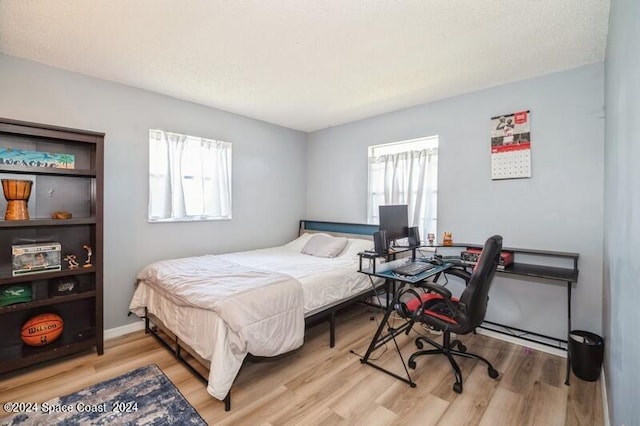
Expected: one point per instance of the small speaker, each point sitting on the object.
(414, 236)
(380, 242)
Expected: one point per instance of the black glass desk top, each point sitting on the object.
(390, 275)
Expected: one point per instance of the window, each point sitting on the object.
(406, 173)
(189, 178)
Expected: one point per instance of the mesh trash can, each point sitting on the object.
(586, 351)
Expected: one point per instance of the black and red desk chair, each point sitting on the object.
(439, 310)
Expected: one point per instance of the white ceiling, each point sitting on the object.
(307, 64)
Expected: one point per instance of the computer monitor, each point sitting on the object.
(394, 219)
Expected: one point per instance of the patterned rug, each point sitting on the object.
(140, 397)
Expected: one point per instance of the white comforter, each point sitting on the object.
(264, 308)
(227, 306)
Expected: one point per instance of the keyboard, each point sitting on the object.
(413, 268)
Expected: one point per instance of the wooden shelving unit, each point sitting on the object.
(80, 192)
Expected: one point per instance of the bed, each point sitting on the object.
(222, 308)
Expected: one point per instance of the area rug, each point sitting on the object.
(140, 397)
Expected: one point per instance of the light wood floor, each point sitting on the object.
(320, 385)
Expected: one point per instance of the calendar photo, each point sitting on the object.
(511, 146)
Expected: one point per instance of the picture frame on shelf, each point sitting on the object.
(27, 158)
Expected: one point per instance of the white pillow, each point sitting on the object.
(323, 245)
(297, 244)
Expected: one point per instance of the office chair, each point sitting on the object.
(439, 310)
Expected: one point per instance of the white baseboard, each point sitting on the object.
(605, 401)
(125, 329)
(136, 326)
(527, 344)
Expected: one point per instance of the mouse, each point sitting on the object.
(437, 261)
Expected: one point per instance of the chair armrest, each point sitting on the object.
(460, 273)
(442, 291)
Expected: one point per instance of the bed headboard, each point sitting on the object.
(357, 230)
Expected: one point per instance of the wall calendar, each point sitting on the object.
(511, 146)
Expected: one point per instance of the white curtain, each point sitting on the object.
(189, 177)
(410, 178)
(216, 182)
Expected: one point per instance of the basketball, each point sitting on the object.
(42, 329)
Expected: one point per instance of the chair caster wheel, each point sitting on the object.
(457, 387)
(411, 364)
(493, 373)
(419, 344)
(462, 348)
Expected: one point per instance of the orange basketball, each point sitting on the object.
(42, 329)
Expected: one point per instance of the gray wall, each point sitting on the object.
(559, 208)
(268, 169)
(622, 214)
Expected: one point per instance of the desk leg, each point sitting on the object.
(566, 381)
(383, 323)
(378, 341)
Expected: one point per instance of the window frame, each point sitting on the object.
(390, 148)
(201, 176)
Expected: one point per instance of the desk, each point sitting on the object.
(379, 339)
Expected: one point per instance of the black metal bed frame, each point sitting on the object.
(153, 326)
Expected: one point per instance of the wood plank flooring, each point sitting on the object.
(318, 385)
